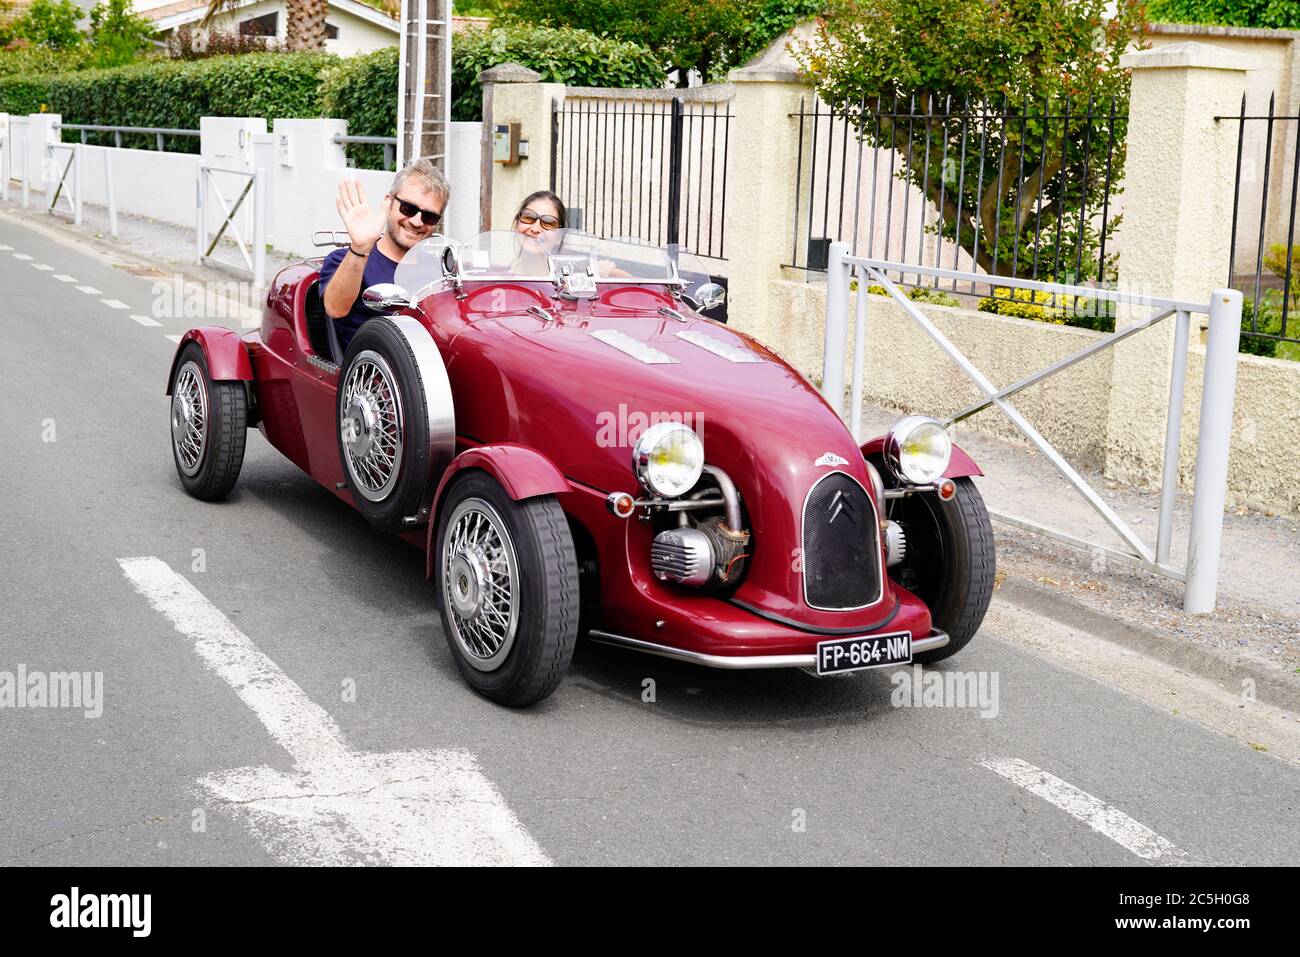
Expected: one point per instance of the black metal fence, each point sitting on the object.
(1012, 189)
(647, 167)
(1264, 262)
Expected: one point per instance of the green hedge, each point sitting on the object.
(360, 89)
(175, 93)
(1279, 14)
(363, 89)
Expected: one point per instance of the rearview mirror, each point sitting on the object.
(386, 297)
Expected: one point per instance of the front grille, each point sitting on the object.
(841, 551)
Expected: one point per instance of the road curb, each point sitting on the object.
(1271, 687)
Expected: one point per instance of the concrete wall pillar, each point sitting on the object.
(760, 216)
(514, 94)
(1176, 230)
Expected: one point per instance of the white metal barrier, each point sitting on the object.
(6, 163)
(254, 184)
(1200, 576)
(56, 178)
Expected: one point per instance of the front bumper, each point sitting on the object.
(935, 639)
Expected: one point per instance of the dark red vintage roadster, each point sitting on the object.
(581, 451)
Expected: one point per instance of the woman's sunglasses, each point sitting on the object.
(410, 209)
(528, 217)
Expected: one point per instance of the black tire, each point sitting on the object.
(380, 345)
(209, 427)
(950, 563)
(528, 666)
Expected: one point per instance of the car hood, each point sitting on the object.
(581, 388)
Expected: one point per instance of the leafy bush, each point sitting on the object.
(916, 294)
(117, 34)
(176, 93)
(1048, 307)
(1279, 14)
(51, 23)
(1267, 316)
(186, 44)
(560, 55)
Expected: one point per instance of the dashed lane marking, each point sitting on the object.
(22, 256)
(89, 290)
(175, 339)
(64, 277)
(145, 320)
(1106, 820)
(115, 304)
(43, 267)
(337, 806)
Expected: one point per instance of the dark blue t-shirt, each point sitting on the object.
(379, 268)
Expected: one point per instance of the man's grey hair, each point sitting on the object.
(422, 170)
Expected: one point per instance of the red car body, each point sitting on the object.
(531, 396)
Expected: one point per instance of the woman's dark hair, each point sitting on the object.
(547, 195)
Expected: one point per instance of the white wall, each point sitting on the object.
(303, 170)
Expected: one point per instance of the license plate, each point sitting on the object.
(858, 654)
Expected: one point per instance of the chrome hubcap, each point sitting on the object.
(371, 427)
(189, 417)
(480, 575)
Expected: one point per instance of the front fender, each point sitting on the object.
(959, 465)
(520, 471)
(224, 351)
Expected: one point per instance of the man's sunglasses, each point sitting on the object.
(528, 217)
(410, 209)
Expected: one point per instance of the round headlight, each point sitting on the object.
(668, 459)
(917, 450)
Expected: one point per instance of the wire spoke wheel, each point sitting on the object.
(371, 427)
(189, 418)
(481, 581)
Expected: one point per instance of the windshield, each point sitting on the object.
(508, 255)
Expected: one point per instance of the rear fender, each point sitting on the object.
(522, 472)
(224, 351)
(959, 465)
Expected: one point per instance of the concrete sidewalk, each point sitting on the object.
(1255, 633)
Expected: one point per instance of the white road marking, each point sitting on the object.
(1096, 813)
(145, 320)
(175, 339)
(5, 249)
(43, 267)
(23, 256)
(337, 806)
(89, 290)
(115, 304)
(64, 277)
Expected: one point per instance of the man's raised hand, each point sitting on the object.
(364, 225)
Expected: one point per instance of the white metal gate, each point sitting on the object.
(246, 183)
(1200, 576)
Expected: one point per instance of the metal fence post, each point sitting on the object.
(1212, 450)
(675, 172)
(109, 196)
(77, 181)
(259, 228)
(837, 325)
(200, 222)
(859, 355)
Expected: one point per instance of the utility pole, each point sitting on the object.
(424, 100)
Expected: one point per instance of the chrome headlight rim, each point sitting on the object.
(656, 437)
(904, 466)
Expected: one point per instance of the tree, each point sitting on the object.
(117, 32)
(1278, 14)
(51, 23)
(985, 88)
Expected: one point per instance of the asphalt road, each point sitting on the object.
(753, 768)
